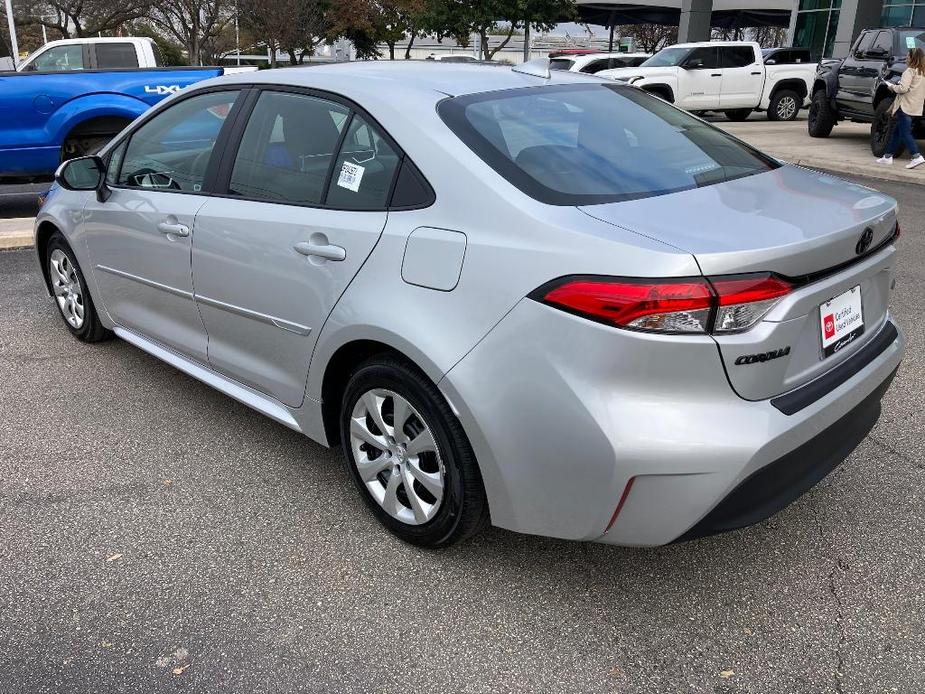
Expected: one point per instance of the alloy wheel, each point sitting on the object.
(786, 108)
(66, 287)
(396, 456)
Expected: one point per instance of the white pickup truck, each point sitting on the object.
(103, 53)
(727, 76)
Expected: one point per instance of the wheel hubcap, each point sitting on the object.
(397, 457)
(66, 288)
(786, 107)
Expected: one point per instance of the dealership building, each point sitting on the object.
(827, 27)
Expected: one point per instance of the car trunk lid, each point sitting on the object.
(827, 236)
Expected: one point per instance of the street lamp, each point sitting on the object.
(14, 44)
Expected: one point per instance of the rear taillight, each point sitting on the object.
(745, 300)
(678, 306)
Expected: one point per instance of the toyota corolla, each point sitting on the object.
(541, 299)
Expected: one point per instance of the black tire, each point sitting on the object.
(881, 130)
(821, 117)
(463, 509)
(738, 115)
(91, 330)
(785, 105)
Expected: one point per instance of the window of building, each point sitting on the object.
(817, 21)
(903, 13)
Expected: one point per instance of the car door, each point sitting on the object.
(305, 202)
(858, 72)
(700, 80)
(139, 238)
(743, 77)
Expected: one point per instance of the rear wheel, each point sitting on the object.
(69, 288)
(738, 114)
(409, 456)
(821, 116)
(881, 130)
(785, 105)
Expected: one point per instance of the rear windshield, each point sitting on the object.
(588, 143)
(911, 38)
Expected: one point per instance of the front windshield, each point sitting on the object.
(911, 38)
(587, 144)
(667, 57)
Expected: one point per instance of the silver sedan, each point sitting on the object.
(538, 298)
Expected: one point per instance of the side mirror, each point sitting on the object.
(84, 173)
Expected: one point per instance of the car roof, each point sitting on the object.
(385, 80)
(707, 44)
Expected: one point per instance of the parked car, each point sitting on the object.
(727, 76)
(853, 89)
(592, 63)
(54, 109)
(69, 55)
(497, 305)
(453, 58)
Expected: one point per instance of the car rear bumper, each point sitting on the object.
(566, 415)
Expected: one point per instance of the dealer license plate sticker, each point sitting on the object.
(841, 321)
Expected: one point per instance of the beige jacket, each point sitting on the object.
(910, 93)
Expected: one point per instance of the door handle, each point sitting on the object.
(717, 74)
(173, 229)
(328, 252)
(757, 73)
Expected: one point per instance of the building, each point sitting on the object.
(827, 27)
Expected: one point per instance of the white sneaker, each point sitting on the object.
(885, 160)
(918, 159)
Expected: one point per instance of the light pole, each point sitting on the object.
(14, 44)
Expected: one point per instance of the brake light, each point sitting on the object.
(681, 306)
(691, 305)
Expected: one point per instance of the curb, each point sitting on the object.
(883, 173)
(10, 240)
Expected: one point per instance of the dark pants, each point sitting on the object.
(902, 132)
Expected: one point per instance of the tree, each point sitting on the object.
(458, 18)
(293, 26)
(79, 18)
(170, 50)
(650, 38)
(198, 25)
(370, 22)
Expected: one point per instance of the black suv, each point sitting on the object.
(853, 88)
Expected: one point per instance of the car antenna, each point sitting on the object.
(537, 68)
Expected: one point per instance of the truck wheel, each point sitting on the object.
(821, 117)
(785, 105)
(881, 130)
(738, 115)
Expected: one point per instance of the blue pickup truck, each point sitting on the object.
(51, 116)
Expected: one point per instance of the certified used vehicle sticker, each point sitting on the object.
(350, 176)
(841, 321)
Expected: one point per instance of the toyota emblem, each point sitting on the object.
(864, 242)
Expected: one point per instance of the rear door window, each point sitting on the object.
(115, 55)
(737, 56)
(287, 149)
(560, 64)
(365, 168)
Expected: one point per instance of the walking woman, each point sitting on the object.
(910, 96)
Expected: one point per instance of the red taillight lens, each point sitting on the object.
(678, 306)
(686, 305)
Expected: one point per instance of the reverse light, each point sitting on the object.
(692, 305)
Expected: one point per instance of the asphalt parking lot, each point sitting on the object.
(156, 535)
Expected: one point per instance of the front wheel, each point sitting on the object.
(739, 114)
(69, 287)
(409, 456)
(785, 105)
(821, 116)
(881, 130)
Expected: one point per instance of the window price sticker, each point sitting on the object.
(350, 176)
